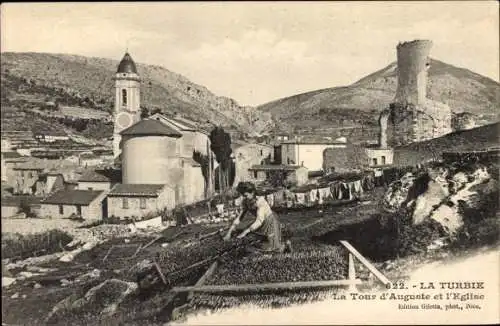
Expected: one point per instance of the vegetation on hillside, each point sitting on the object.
(23, 246)
(89, 82)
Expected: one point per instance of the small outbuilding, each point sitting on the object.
(138, 200)
(88, 204)
(294, 174)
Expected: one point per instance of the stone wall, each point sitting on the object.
(463, 121)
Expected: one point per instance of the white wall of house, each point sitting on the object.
(194, 184)
(87, 185)
(308, 155)
(129, 206)
(91, 161)
(8, 211)
(378, 156)
(300, 176)
(93, 211)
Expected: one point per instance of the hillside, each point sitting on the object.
(359, 103)
(87, 82)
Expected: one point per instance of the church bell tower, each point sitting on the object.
(127, 99)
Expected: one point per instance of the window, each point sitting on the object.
(125, 203)
(79, 210)
(383, 160)
(124, 97)
(374, 161)
(261, 152)
(90, 188)
(255, 174)
(61, 209)
(142, 202)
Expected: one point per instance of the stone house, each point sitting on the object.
(307, 152)
(99, 179)
(11, 205)
(88, 204)
(379, 156)
(26, 176)
(138, 200)
(248, 155)
(354, 157)
(48, 183)
(296, 175)
(9, 161)
(7, 190)
(87, 160)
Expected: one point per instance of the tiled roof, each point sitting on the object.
(270, 167)
(93, 176)
(179, 123)
(101, 175)
(10, 155)
(150, 127)
(89, 156)
(145, 190)
(313, 142)
(30, 166)
(72, 197)
(16, 200)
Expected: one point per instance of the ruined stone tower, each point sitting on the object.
(413, 63)
(414, 116)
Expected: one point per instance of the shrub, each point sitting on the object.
(25, 246)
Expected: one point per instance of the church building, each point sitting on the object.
(154, 151)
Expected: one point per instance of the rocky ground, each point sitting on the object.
(42, 283)
(96, 281)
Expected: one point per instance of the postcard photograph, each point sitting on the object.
(250, 163)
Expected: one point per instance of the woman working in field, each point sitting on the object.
(266, 224)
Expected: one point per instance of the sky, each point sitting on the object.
(258, 52)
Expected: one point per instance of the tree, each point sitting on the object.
(155, 111)
(24, 207)
(144, 112)
(221, 146)
(278, 178)
(204, 161)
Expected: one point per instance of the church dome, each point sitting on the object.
(127, 65)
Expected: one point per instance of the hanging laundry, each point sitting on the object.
(358, 189)
(344, 191)
(333, 190)
(350, 186)
(270, 199)
(322, 194)
(338, 189)
(313, 194)
(301, 198)
(279, 197)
